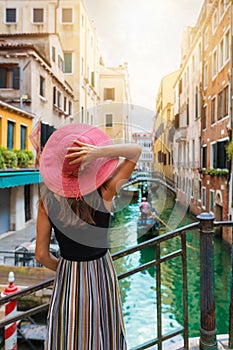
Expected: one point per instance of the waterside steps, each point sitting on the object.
(178, 338)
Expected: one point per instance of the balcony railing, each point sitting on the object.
(208, 334)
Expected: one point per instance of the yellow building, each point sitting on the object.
(163, 126)
(15, 127)
(18, 187)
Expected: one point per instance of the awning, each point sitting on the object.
(19, 178)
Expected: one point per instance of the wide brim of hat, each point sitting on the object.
(79, 183)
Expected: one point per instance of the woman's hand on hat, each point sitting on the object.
(83, 154)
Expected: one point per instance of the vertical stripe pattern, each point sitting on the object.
(85, 311)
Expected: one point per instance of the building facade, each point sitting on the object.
(145, 162)
(80, 60)
(163, 128)
(188, 113)
(30, 81)
(203, 113)
(18, 187)
(114, 111)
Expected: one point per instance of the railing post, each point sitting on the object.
(208, 339)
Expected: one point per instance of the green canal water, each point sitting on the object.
(138, 292)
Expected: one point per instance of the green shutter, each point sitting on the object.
(221, 154)
(215, 156)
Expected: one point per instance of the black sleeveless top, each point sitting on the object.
(82, 243)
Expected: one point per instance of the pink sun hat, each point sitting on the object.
(67, 180)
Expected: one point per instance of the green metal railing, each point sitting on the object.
(208, 334)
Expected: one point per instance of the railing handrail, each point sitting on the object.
(140, 246)
(115, 256)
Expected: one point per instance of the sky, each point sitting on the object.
(147, 34)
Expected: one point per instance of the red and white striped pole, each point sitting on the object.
(10, 310)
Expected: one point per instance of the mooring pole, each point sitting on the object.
(208, 339)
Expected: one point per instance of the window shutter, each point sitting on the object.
(215, 156)
(67, 62)
(2, 78)
(93, 79)
(16, 77)
(204, 155)
(221, 152)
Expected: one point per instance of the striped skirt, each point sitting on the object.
(85, 311)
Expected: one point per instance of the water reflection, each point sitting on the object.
(139, 290)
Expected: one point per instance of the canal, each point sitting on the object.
(139, 291)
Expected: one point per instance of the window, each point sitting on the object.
(219, 155)
(38, 16)
(54, 95)
(214, 21)
(67, 62)
(206, 41)
(59, 99)
(108, 120)
(70, 108)
(214, 64)
(9, 77)
(199, 190)
(204, 118)
(67, 15)
(109, 94)
(10, 134)
(180, 86)
(222, 7)
(193, 153)
(23, 132)
(221, 54)
(42, 86)
(227, 45)
(196, 104)
(205, 76)
(204, 157)
(93, 79)
(213, 155)
(64, 104)
(212, 201)
(203, 196)
(223, 103)
(187, 112)
(53, 53)
(10, 15)
(213, 110)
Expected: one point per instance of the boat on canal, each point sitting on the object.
(147, 227)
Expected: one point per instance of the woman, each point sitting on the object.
(82, 173)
